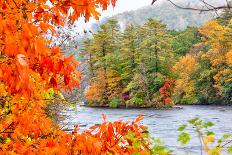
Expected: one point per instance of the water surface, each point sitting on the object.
(161, 124)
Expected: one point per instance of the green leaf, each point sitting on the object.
(208, 124)
(184, 138)
(193, 121)
(229, 150)
(137, 144)
(7, 140)
(210, 133)
(137, 153)
(220, 141)
(182, 127)
(226, 136)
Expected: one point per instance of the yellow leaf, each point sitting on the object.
(215, 151)
(209, 139)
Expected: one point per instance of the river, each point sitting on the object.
(161, 124)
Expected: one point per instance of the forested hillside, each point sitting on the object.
(151, 66)
(173, 17)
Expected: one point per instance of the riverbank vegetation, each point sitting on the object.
(132, 67)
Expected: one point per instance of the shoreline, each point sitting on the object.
(178, 106)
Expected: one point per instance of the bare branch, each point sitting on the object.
(228, 4)
(209, 7)
(153, 1)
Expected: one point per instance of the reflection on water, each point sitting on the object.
(161, 124)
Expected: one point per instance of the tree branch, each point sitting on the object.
(209, 7)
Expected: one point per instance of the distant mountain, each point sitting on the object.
(174, 18)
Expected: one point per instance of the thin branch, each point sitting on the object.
(207, 4)
(16, 4)
(230, 141)
(209, 8)
(8, 127)
(228, 5)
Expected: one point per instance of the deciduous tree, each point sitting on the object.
(29, 66)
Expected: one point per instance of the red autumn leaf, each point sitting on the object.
(53, 82)
(104, 117)
(168, 100)
(50, 143)
(138, 118)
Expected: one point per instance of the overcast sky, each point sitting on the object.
(121, 6)
(126, 5)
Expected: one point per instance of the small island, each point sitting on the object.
(151, 66)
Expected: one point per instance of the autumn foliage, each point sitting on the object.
(113, 138)
(29, 66)
(127, 68)
(204, 74)
(166, 91)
